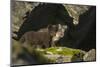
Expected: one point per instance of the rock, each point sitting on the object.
(78, 57)
(75, 11)
(19, 10)
(90, 55)
(31, 55)
(62, 54)
(63, 59)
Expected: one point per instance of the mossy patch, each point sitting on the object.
(61, 50)
(54, 53)
(49, 55)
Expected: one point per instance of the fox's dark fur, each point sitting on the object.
(40, 38)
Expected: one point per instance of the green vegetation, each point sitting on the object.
(48, 55)
(62, 50)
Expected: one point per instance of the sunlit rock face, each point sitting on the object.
(75, 11)
(90, 55)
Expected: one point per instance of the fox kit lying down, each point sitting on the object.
(44, 37)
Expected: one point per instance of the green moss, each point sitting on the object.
(62, 50)
(41, 55)
(73, 54)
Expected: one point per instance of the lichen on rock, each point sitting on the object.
(62, 54)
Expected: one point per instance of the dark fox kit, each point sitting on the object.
(44, 38)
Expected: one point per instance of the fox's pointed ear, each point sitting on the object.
(59, 26)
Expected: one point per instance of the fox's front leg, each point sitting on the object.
(53, 43)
